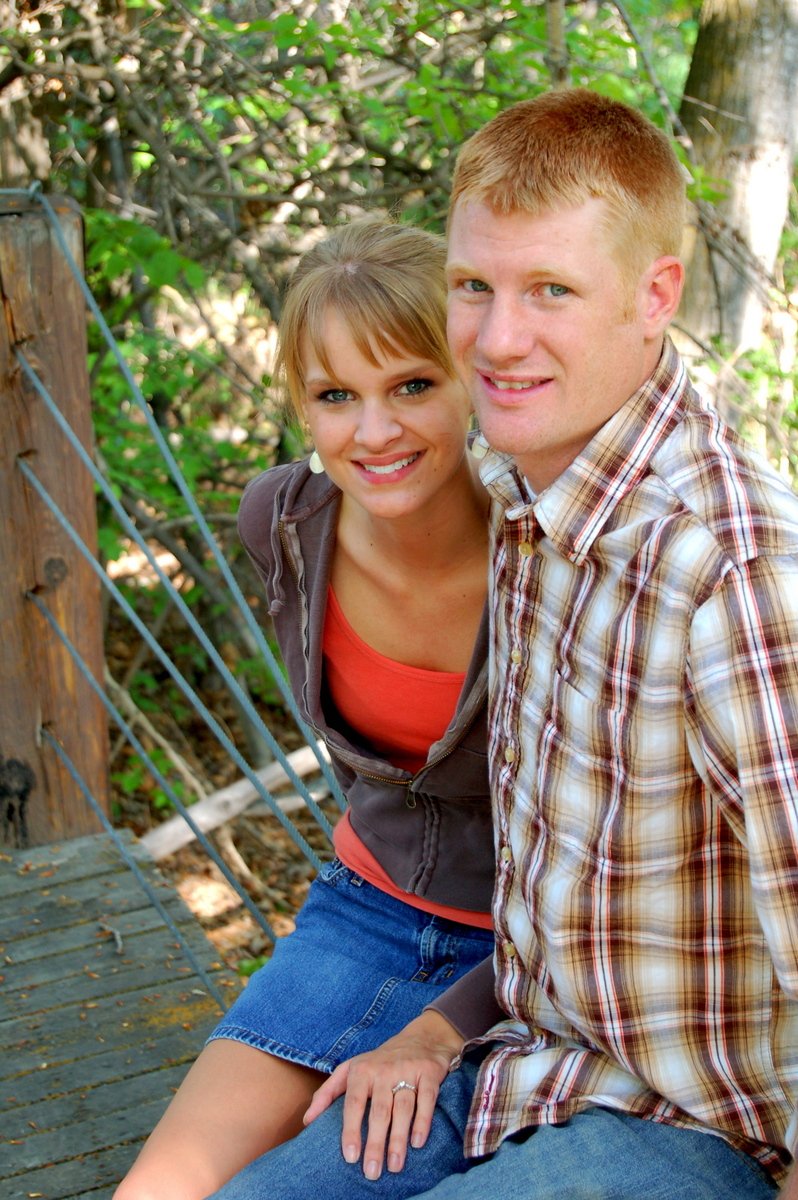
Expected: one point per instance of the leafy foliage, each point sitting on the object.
(210, 143)
(236, 130)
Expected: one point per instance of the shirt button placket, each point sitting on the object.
(525, 550)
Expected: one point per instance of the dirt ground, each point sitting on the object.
(279, 881)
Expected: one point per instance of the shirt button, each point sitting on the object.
(506, 854)
(516, 656)
(509, 754)
(509, 949)
(525, 549)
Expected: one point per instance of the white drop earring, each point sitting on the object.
(315, 463)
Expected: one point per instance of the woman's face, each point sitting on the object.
(392, 436)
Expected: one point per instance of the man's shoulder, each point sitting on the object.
(728, 487)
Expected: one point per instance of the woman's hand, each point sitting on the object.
(420, 1055)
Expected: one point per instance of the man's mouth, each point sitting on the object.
(513, 385)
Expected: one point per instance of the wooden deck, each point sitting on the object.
(100, 1015)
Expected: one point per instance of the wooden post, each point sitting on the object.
(44, 316)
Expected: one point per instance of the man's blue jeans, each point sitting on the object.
(598, 1155)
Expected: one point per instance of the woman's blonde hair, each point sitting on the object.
(385, 280)
(567, 147)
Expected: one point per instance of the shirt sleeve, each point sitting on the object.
(470, 1005)
(743, 666)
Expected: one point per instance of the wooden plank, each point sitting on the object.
(142, 1056)
(35, 936)
(103, 924)
(89, 973)
(87, 948)
(92, 1043)
(89, 898)
(43, 314)
(43, 1116)
(95, 1133)
(38, 1041)
(44, 868)
(78, 1175)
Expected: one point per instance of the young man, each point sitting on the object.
(644, 725)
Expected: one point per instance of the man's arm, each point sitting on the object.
(744, 671)
(470, 1005)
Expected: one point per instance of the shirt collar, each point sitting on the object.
(573, 510)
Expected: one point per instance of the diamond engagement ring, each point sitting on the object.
(398, 1087)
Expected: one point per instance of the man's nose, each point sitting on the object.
(506, 332)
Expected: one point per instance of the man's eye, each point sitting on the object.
(475, 285)
(415, 387)
(556, 290)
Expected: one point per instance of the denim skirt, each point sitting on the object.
(359, 965)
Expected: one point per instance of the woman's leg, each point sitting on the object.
(359, 966)
(235, 1103)
(312, 1165)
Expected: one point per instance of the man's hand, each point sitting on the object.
(420, 1055)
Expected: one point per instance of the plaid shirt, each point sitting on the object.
(644, 717)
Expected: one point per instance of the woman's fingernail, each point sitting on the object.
(394, 1163)
(372, 1170)
(350, 1154)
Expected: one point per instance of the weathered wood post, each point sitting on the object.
(42, 688)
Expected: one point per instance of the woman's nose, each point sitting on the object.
(378, 425)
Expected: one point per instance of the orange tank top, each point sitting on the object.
(398, 712)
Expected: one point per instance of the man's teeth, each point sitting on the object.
(390, 467)
(512, 385)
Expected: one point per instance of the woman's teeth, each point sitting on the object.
(389, 467)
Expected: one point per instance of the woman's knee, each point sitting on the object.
(160, 1180)
(141, 1185)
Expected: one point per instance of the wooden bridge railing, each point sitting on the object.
(43, 314)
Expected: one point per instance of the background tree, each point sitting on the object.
(740, 113)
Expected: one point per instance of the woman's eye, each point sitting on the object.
(415, 387)
(555, 290)
(475, 285)
(334, 396)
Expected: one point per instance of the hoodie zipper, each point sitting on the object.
(410, 798)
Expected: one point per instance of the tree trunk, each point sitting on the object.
(740, 108)
(556, 53)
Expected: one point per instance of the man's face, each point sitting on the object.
(547, 335)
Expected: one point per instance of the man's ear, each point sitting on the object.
(660, 293)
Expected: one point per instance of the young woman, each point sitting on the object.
(374, 558)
